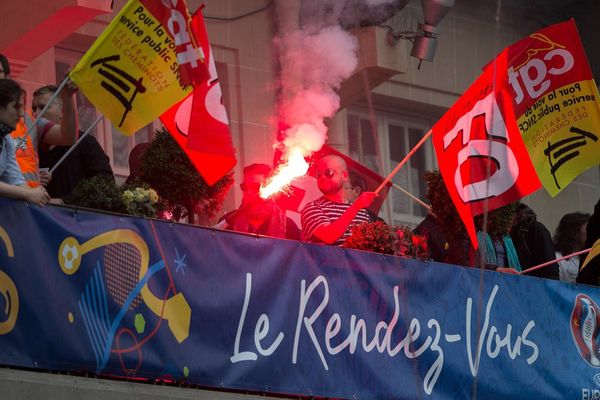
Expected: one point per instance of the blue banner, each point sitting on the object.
(116, 295)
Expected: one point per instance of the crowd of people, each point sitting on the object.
(513, 240)
(31, 146)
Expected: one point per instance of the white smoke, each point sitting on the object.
(314, 65)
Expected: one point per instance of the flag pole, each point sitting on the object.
(401, 163)
(87, 132)
(412, 196)
(37, 118)
(540, 266)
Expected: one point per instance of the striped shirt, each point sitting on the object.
(323, 211)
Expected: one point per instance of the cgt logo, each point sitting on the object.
(535, 73)
(187, 53)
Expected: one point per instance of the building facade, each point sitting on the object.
(385, 106)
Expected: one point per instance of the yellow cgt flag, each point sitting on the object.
(131, 73)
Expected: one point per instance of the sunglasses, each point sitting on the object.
(329, 173)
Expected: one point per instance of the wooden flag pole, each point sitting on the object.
(540, 266)
(401, 163)
(412, 196)
(87, 132)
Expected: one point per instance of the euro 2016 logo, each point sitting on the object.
(585, 324)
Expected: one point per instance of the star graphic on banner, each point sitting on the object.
(180, 262)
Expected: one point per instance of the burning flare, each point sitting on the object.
(295, 167)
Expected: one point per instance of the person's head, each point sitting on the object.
(254, 176)
(331, 174)
(41, 97)
(4, 67)
(570, 234)
(499, 221)
(355, 185)
(524, 217)
(10, 102)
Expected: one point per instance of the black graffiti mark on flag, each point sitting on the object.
(566, 149)
(120, 83)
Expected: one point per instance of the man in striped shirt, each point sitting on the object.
(330, 218)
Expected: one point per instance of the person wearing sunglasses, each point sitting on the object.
(330, 218)
(255, 214)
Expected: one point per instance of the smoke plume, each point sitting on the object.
(316, 54)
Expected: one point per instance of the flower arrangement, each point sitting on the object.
(381, 238)
(102, 193)
(410, 244)
(140, 201)
(372, 236)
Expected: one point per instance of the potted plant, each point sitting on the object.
(167, 169)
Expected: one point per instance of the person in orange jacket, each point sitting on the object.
(12, 183)
(44, 133)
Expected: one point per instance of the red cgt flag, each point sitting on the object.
(479, 148)
(174, 17)
(199, 123)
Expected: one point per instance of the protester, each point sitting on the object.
(330, 218)
(569, 238)
(496, 249)
(45, 132)
(85, 161)
(436, 240)
(589, 271)
(135, 161)
(258, 215)
(356, 185)
(533, 243)
(12, 183)
(447, 238)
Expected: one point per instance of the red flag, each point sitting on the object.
(173, 16)
(479, 148)
(555, 103)
(199, 123)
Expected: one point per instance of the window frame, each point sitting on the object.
(385, 119)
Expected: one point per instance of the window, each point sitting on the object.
(398, 134)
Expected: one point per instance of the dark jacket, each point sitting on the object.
(436, 240)
(86, 161)
(591, 273)
(533, 243)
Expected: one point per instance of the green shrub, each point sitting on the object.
(99, 192)
(167, 169)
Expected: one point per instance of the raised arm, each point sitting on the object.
(66, 133)
(330, 232)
